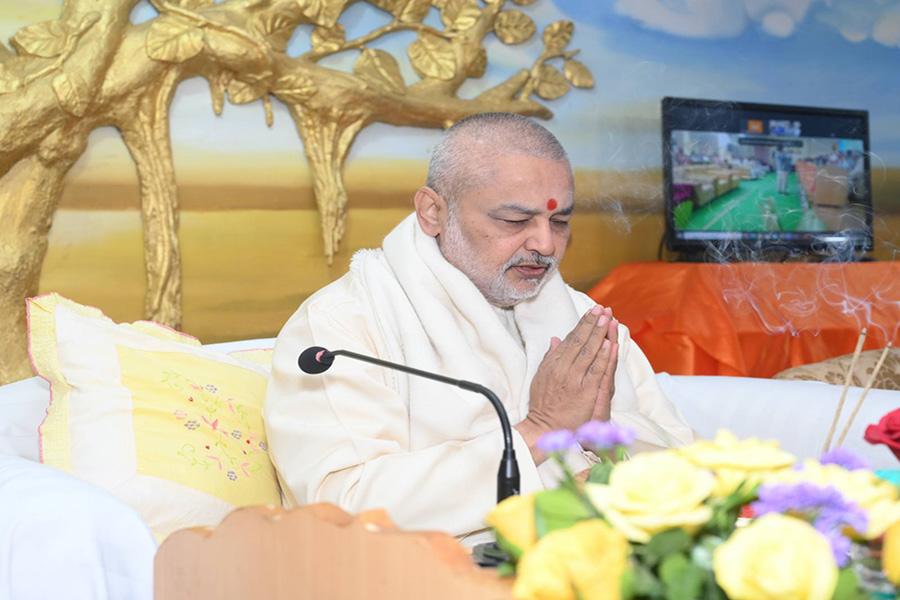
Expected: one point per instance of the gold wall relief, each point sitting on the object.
(92, 67)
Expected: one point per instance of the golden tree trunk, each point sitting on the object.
(147, 138)
(29, 194)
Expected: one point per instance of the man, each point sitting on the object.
(468, 287)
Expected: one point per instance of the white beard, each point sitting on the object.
(494, 286)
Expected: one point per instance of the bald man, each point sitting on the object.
(466, 286)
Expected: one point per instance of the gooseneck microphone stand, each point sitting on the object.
(316, 360)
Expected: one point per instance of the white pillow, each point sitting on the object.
(23, 405)
(796, 413)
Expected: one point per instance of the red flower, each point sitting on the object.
(887, 432)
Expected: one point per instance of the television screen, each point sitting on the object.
(762, 175)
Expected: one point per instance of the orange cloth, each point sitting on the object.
(752, 319)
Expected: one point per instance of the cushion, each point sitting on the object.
(834, 370)
(23, 405)
(170, 427)
(796, 413)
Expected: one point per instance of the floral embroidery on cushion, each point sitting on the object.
(201, 412)
(199, 422)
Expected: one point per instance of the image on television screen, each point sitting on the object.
(740, 172)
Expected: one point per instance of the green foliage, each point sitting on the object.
(725, 511)
(558, 509)
(681, 579)
(848, 587)
(600, 472)
(666, 568)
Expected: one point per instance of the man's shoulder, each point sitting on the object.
(339, 294)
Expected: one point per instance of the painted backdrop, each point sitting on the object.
(250, 237)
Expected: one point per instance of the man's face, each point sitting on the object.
(509, 232)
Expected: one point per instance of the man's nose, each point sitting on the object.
(540, 238)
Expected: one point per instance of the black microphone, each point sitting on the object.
(315, 360)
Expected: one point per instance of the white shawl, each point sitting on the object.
(368, 437)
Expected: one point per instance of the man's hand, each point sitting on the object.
(574, 382)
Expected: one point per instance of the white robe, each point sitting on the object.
(363, 436)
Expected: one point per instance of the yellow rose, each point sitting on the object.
(734, 461)
(585, 561)
(890, 556)
(513, 520)
(653, 492)
(776, 556)
(878, 498)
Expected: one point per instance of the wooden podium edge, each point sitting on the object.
(317, 551)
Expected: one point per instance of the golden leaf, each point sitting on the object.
(432, 56)
(459, 15)
(194, 4)
(276, 28)
(294, 88)
(391, 6)
(524, 2)
(513, 27)
(322, 12)
(71, 93)
(477, 65)
(8, 81)
(328, 40)
(217, 86)
(551, 83)
(241, 92)
(439, 4)
(578, 74)
(414, 11)
(173, 39)
(558, 34)
(225, 46)
(380, 69)
(45, 39)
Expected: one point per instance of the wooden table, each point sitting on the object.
(752, 319)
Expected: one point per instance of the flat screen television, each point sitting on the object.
(757, 176)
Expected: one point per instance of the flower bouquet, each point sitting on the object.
(722, 518)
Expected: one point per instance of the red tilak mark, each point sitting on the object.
(551, 204)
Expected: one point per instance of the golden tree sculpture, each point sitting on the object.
(93, 67)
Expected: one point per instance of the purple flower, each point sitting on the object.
(603, 435)
(844, 458)
(825, 507)
(556, 441)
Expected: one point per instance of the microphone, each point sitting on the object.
(315, 360)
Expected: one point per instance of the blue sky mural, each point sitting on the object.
(835, 53)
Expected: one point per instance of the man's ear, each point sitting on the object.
(431, 210)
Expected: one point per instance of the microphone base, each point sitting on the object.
(489, 555)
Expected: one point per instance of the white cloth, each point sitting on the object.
(365, 437)
(64, 538)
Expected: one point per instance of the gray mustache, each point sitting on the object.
(535, 259)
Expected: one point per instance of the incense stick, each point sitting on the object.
(865, 391)
(849, 376)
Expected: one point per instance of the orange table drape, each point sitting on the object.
(752, 319)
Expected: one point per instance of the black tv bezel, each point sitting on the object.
(860, 244)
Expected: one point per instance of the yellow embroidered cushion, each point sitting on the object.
(172, 428)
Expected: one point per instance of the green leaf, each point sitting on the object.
(600, 472)
(664, 543)
(506, 569)
(682, 579)
(626, 584)
(644, 583)
(558, 509)
(848, 586)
